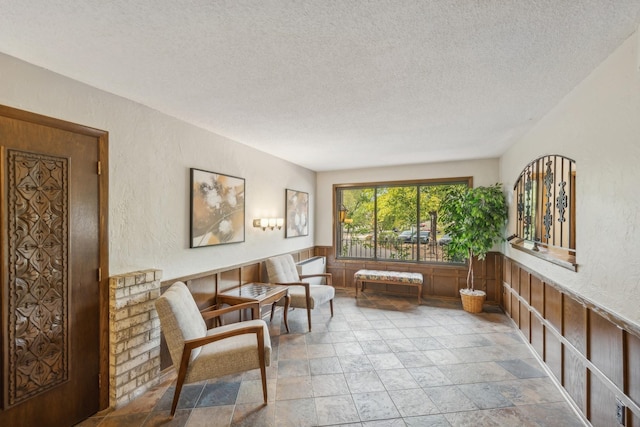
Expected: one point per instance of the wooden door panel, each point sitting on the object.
(50, 288)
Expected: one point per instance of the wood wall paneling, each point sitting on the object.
(525, 321)
(575, 324)
(446, 286)
(506, 299)
(228, 279)
(515, 309)
(525, 286)
(515, 277)
(594, 354)
(553, 353)
(203, 290)
(537, 336)
(506, 270)
(632, 377)
(575, 379)
(251, 273)
(606, 348)
(339, 277)
(602, 403)
(553, 306)
(537, 294)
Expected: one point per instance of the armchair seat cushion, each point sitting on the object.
(229, 355)
(319, 294)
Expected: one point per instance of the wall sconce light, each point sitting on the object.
(271, 223)
(342, 213)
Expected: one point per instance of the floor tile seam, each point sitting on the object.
(553, 402)
(377, 419)
(497, 383)
(402, 389)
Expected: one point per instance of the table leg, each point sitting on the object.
(255, 312)
(287, 301)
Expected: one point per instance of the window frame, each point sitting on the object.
(337, 203)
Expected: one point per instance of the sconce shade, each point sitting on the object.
(270, 223)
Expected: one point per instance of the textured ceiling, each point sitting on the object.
(332, 84)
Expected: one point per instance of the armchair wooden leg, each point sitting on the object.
(182, 374)
(331, 305)
(176, 395)
(273, 308)
(308, 300)
(263, 369)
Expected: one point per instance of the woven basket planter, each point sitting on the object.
(472, 301)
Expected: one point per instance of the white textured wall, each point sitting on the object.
(149, 159)
(598, 125)
(484, 172)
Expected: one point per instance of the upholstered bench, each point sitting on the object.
(388, 277)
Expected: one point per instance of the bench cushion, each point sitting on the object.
(389, 276)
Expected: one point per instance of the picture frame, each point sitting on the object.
(297, 213)
(217, 208)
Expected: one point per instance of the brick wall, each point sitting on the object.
(134, 335)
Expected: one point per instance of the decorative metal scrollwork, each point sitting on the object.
(562, 202)
(527, 217)
(520, 206)
(548, 216)
(545, 191)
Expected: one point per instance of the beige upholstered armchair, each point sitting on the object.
(200, 354)
(282, 270)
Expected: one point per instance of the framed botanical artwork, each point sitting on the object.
(297, 223)
(217, 209)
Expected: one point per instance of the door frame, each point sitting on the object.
(103, 227)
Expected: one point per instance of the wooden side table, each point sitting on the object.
(262, 293)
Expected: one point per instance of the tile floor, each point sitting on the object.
(380, 361)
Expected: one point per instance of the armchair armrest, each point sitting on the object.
(189, 345)
(210, 313)
(327, 276)
(305, 284)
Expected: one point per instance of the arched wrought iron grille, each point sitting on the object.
(545, 204)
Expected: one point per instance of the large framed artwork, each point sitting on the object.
(297, 213)
(217, 209)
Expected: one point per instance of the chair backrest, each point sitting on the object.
(282, 269)
(180, 320)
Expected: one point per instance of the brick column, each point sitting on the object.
(134, 335)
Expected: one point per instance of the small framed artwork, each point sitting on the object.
(297, 213)
(217, 209)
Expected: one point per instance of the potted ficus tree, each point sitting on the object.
(474, 218)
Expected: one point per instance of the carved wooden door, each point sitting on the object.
(51, 256)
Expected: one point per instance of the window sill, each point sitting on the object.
(551, 255)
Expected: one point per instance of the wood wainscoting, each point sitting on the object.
(593, 354)
(440, 280)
